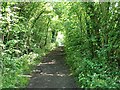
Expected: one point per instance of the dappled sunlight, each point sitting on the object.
(48, 7)
(50, 62)
(36, 71)
(56, 74)
(52, 72)
(55, 18)
(29, 76)
(44, 41)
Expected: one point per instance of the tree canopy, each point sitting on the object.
(89, 32)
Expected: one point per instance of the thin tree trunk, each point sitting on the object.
(47, 33)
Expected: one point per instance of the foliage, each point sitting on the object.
(91, 29)
(24, 33)
(13, 68)
(28, 30)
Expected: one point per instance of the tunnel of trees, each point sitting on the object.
(91, 39)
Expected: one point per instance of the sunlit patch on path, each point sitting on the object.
(52, 72)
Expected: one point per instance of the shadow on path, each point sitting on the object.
(52, 72)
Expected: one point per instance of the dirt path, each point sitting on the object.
(52, 72)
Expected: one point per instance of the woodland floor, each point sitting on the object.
(52, 72)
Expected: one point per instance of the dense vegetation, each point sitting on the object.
(25, 36)
(92, 44)
(29, 30)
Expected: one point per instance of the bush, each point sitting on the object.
(14, 68)
(90, 72)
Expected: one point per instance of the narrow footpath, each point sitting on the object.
(52, 72)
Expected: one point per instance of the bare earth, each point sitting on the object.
(52, 72)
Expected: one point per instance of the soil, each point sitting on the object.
(52, 72)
